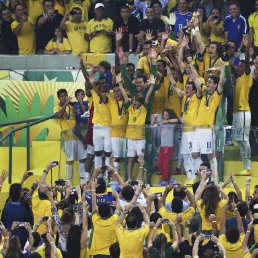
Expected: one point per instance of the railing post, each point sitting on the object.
(28, 147)
(10, 158)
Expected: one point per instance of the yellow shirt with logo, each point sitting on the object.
(63, 45)
(253, 23)
(190, 107)
(241, 93)
(119, 117)
(160, 97)
(75, 33)
(173, 101)
(145, 65)
(208, 107)
(136, 122)
(206, 223)
(233, 250)
(26, 37)
(131, 241)
(101, 115)
(100, 43)
(219, 27)
(103, 235)
(83, 5)
(35, 9)
(67, 121)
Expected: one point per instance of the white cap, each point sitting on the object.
(99, 5)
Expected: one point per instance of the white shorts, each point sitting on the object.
(135, 148)
(90, 150)
(118, 147)
(101, 138)
(203, 141)
(241, 126)
(74, 150)
(187, 142)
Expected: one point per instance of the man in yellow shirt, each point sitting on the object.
(131, 239)
(24, 29)
(99, 31)
(75, 29)
(144, 64)
(73, 147)
(241, 111)
(203, 140)
(253, 26)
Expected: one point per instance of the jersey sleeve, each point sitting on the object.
(244, 29)
(49, 46)
(251, 20)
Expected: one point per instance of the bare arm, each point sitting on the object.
(146, 218)
(221, 78)
(223, 220)
(238, 191)
(45, 172)
(226, 36)
(175, 235)
(152, 234)
(64, 20)
(238, 219)
(93, 194)
(162, 200)
(152, 83)
(120, 82)
(247, 188)
(247, 234)
(198, 37)
(17, 30)
(84, 234)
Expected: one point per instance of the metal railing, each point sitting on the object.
(29, 123)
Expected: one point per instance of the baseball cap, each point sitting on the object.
(99, 5)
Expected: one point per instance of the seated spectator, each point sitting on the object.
(24, 28)
(58, 45)
(75, 29)
(46, 24)
(99, 31)
(151, 23)
(9, 40)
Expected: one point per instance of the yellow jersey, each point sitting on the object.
(58, 7)
(75, 33)
(119, 117)
(83, 5)
(35, 9)
(67, 121)
(256, 233)
(136, 122)
(169, 41)
(103, 235)
(190, 107)
(63, 45)
(204, 36)
(41, 251)
(100, 43)
(213, 37)
(204, 63)
(206, 223)
(208, 108)
(173, 101)
(26, 38)
(253, 23)
(241, 93)
(166, 214)
(160, 96)
(131, 241)
(145, 65)
(101, 115)
(247, 254)
(233, 250)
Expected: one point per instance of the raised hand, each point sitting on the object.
(148, 35)
(92, 79)
(119, 34)
(120, 53)
(152, 79)
(3, 176)
(185, 41)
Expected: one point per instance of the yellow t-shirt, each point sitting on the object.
(26, 38)
(253, 23)
(190, 107)
(119, 117)
(101, 115)
(213, 37)
(233, 250)
(63, 45)
(131, 241)
(247, 255)
(40, 208)
(204, 36)
(145, 65)
(41, 251)
(103, 235)
(206, 223)
(136, 122)
(75, 33)
(256, 233)
(67, 121)
(160, 97)
(173, 101)
(35, 9)
(100, 43)
(168, 42)
(83, 5)
(208, 107)
(166, 214)
(58, 7)
(241, 93)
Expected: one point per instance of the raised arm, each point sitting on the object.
(198, 37)
(247, 188)
(49, 166)
(102, 96)
(151, 87)
(3, 176)
(238, 191)
(152, 234)
(146, 218)
(221, 78)
(223, 220)
(121, 87)
(162, 200)
(93, 194)
(84, 234)
(188, 194)
(247, 57)
(64, 20)
(180, 57)
(238, 218)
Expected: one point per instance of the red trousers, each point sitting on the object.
(164, 162)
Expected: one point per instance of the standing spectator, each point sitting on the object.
(46, 24)
(34, 8)
(15, 212)
(235, 25)
(24, 28)
(152, 23)
(9, 40)
(99, 31)
(253, 27)
(129, 26)
(156, 4)
(182, 15)
(75, 30)
(241, 111)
